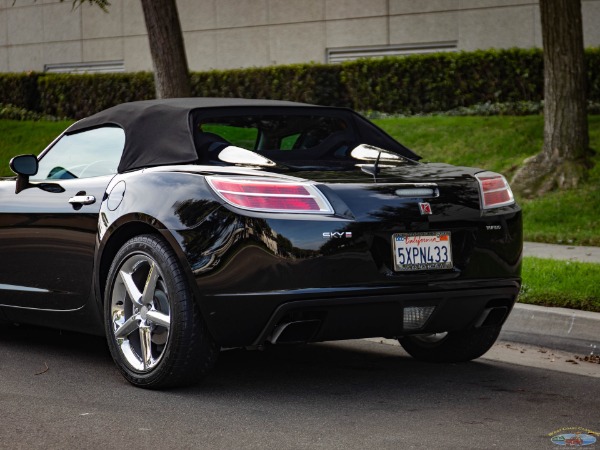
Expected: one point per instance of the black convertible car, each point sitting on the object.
(179, 227)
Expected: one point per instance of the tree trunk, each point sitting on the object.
(564, 159)
(171, 74)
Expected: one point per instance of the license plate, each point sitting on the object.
(422, 251)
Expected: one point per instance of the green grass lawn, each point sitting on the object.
(566, 284)
(498, 143)
(18, 137)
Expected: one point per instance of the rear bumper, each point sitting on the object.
(351, 316)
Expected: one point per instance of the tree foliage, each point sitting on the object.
(103, 4)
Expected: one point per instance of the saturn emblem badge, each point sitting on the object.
(425, 208)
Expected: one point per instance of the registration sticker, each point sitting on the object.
(422, 251)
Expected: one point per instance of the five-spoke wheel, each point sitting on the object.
(155, 332)
(140, 312)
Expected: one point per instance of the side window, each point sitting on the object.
(86, 154)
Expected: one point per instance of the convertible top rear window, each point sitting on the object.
(280, 137)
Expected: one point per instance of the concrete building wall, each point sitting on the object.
(225, 34)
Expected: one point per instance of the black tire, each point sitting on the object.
(455, 346)
(155, 333)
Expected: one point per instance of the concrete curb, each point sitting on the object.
(557, 328)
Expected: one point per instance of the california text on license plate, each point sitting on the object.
(422, 251)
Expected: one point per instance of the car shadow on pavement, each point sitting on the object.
(349, 369)
(345, 368)
(41, 338)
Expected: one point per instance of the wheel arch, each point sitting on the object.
(128, 229)
(112, 245)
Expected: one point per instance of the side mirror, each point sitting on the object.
(24, 165)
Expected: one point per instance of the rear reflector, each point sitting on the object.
(270, 196)
(416, 316)
(494, 189)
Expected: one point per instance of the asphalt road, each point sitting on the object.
(60, 390)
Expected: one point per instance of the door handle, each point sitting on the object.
(83, 199)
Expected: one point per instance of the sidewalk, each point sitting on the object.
(566, 252)
(558, 328)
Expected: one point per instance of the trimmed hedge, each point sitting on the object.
(20, 90)
(408, 85)
(78, 96)
(308, 83)
(592, 56)
(444, 81)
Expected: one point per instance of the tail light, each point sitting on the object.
(269, 195)
(494, 189)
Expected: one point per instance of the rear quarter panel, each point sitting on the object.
(242, 265)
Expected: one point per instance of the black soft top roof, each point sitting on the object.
(160, 132)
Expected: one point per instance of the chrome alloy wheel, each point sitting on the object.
(140, 312)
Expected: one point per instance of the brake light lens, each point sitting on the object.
(269, 195)
(494, 189)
